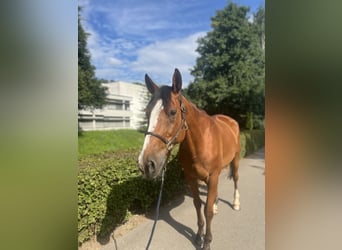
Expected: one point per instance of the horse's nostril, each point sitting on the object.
(151, 166)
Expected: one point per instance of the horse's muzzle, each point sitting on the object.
(151, 168)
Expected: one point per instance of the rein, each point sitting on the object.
(157, 208)
(169, 143)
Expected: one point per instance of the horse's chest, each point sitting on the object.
(193, 166)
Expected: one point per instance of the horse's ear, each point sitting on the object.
(176, 81)
(151, 86)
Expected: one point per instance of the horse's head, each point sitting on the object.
(166, 123)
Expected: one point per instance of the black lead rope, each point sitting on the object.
(157, 209)
(169, 145)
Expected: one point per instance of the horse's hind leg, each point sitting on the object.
(235, 175)
(197, 203)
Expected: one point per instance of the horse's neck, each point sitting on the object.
(193, 116)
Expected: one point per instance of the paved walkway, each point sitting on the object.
(177, 226)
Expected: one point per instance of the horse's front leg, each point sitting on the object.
(197, 203)
(209, 210)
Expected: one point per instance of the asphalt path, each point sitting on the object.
(236, 230)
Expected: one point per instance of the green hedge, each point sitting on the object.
(251, 140)
(110, 188)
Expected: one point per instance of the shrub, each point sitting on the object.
(250, 121)
(251, 140)
(110, 187)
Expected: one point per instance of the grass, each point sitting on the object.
(97, 142)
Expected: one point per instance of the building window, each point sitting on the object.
(127, 122)
(118, 105)
(115, 105)
(127, 105)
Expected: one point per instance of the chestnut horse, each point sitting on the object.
(207, 145)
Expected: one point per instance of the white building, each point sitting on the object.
(125, 108)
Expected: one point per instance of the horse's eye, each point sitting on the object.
(173, 112)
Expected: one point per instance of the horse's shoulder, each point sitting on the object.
(228, 122)
(226, 119)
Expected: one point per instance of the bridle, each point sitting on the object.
(169, 143)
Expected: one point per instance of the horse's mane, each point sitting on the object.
(163, 93)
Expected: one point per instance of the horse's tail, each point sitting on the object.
(230, 173)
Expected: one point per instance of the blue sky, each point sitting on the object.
(129, 38)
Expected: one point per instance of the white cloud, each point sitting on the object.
(114, 61)
(160, 58)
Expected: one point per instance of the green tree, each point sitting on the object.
(259, 21)
(90, 92)
(229, 73)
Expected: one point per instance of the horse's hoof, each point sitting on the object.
(199, 240)
(237, 207)
(206, 246)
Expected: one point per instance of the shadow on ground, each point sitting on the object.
(110, 221)
(166, 216)
(187, 232)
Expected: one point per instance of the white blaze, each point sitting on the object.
(158, 107)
